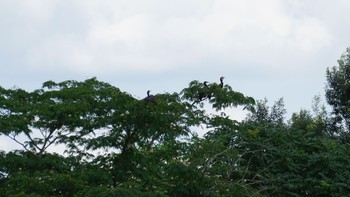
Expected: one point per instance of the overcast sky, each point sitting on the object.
(270, 48)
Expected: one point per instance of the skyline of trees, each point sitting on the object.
(152, 148)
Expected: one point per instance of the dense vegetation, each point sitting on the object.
(116, 145)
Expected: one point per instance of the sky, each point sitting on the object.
(265, 49)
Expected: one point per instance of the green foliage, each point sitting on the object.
(59, 113)
(297, 159)
(144, 146)
(45, 175)
(116, 145)
(220, 98)
(338, 88)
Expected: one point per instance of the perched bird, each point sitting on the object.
(202, 94)
(207, 89)
(206, 84)
(221, 82)
(150, 98)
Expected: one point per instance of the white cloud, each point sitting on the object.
(59, 52)
(155, 37)
(310, 35)
(37, 11)
(132, 31)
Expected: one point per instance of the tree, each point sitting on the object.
(117, 145)
(338, 89)
(59, 113)
(262, 112)
(143, 147)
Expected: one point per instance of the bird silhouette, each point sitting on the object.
(150, 98)
(204, 93)
(221, 82)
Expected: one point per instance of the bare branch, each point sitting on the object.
(18, 142)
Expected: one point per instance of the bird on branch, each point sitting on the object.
(150, 98)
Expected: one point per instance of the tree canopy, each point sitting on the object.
(118, 145)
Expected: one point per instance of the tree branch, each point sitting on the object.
(18, 142)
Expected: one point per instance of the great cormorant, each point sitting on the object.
(150, 98)
(204, 93)
(221, 82)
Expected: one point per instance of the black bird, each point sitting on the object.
(206, 84)
(150, 98)
(207, 90)
(202, 94)
(221, 82)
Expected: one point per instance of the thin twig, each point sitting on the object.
(18, 142)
